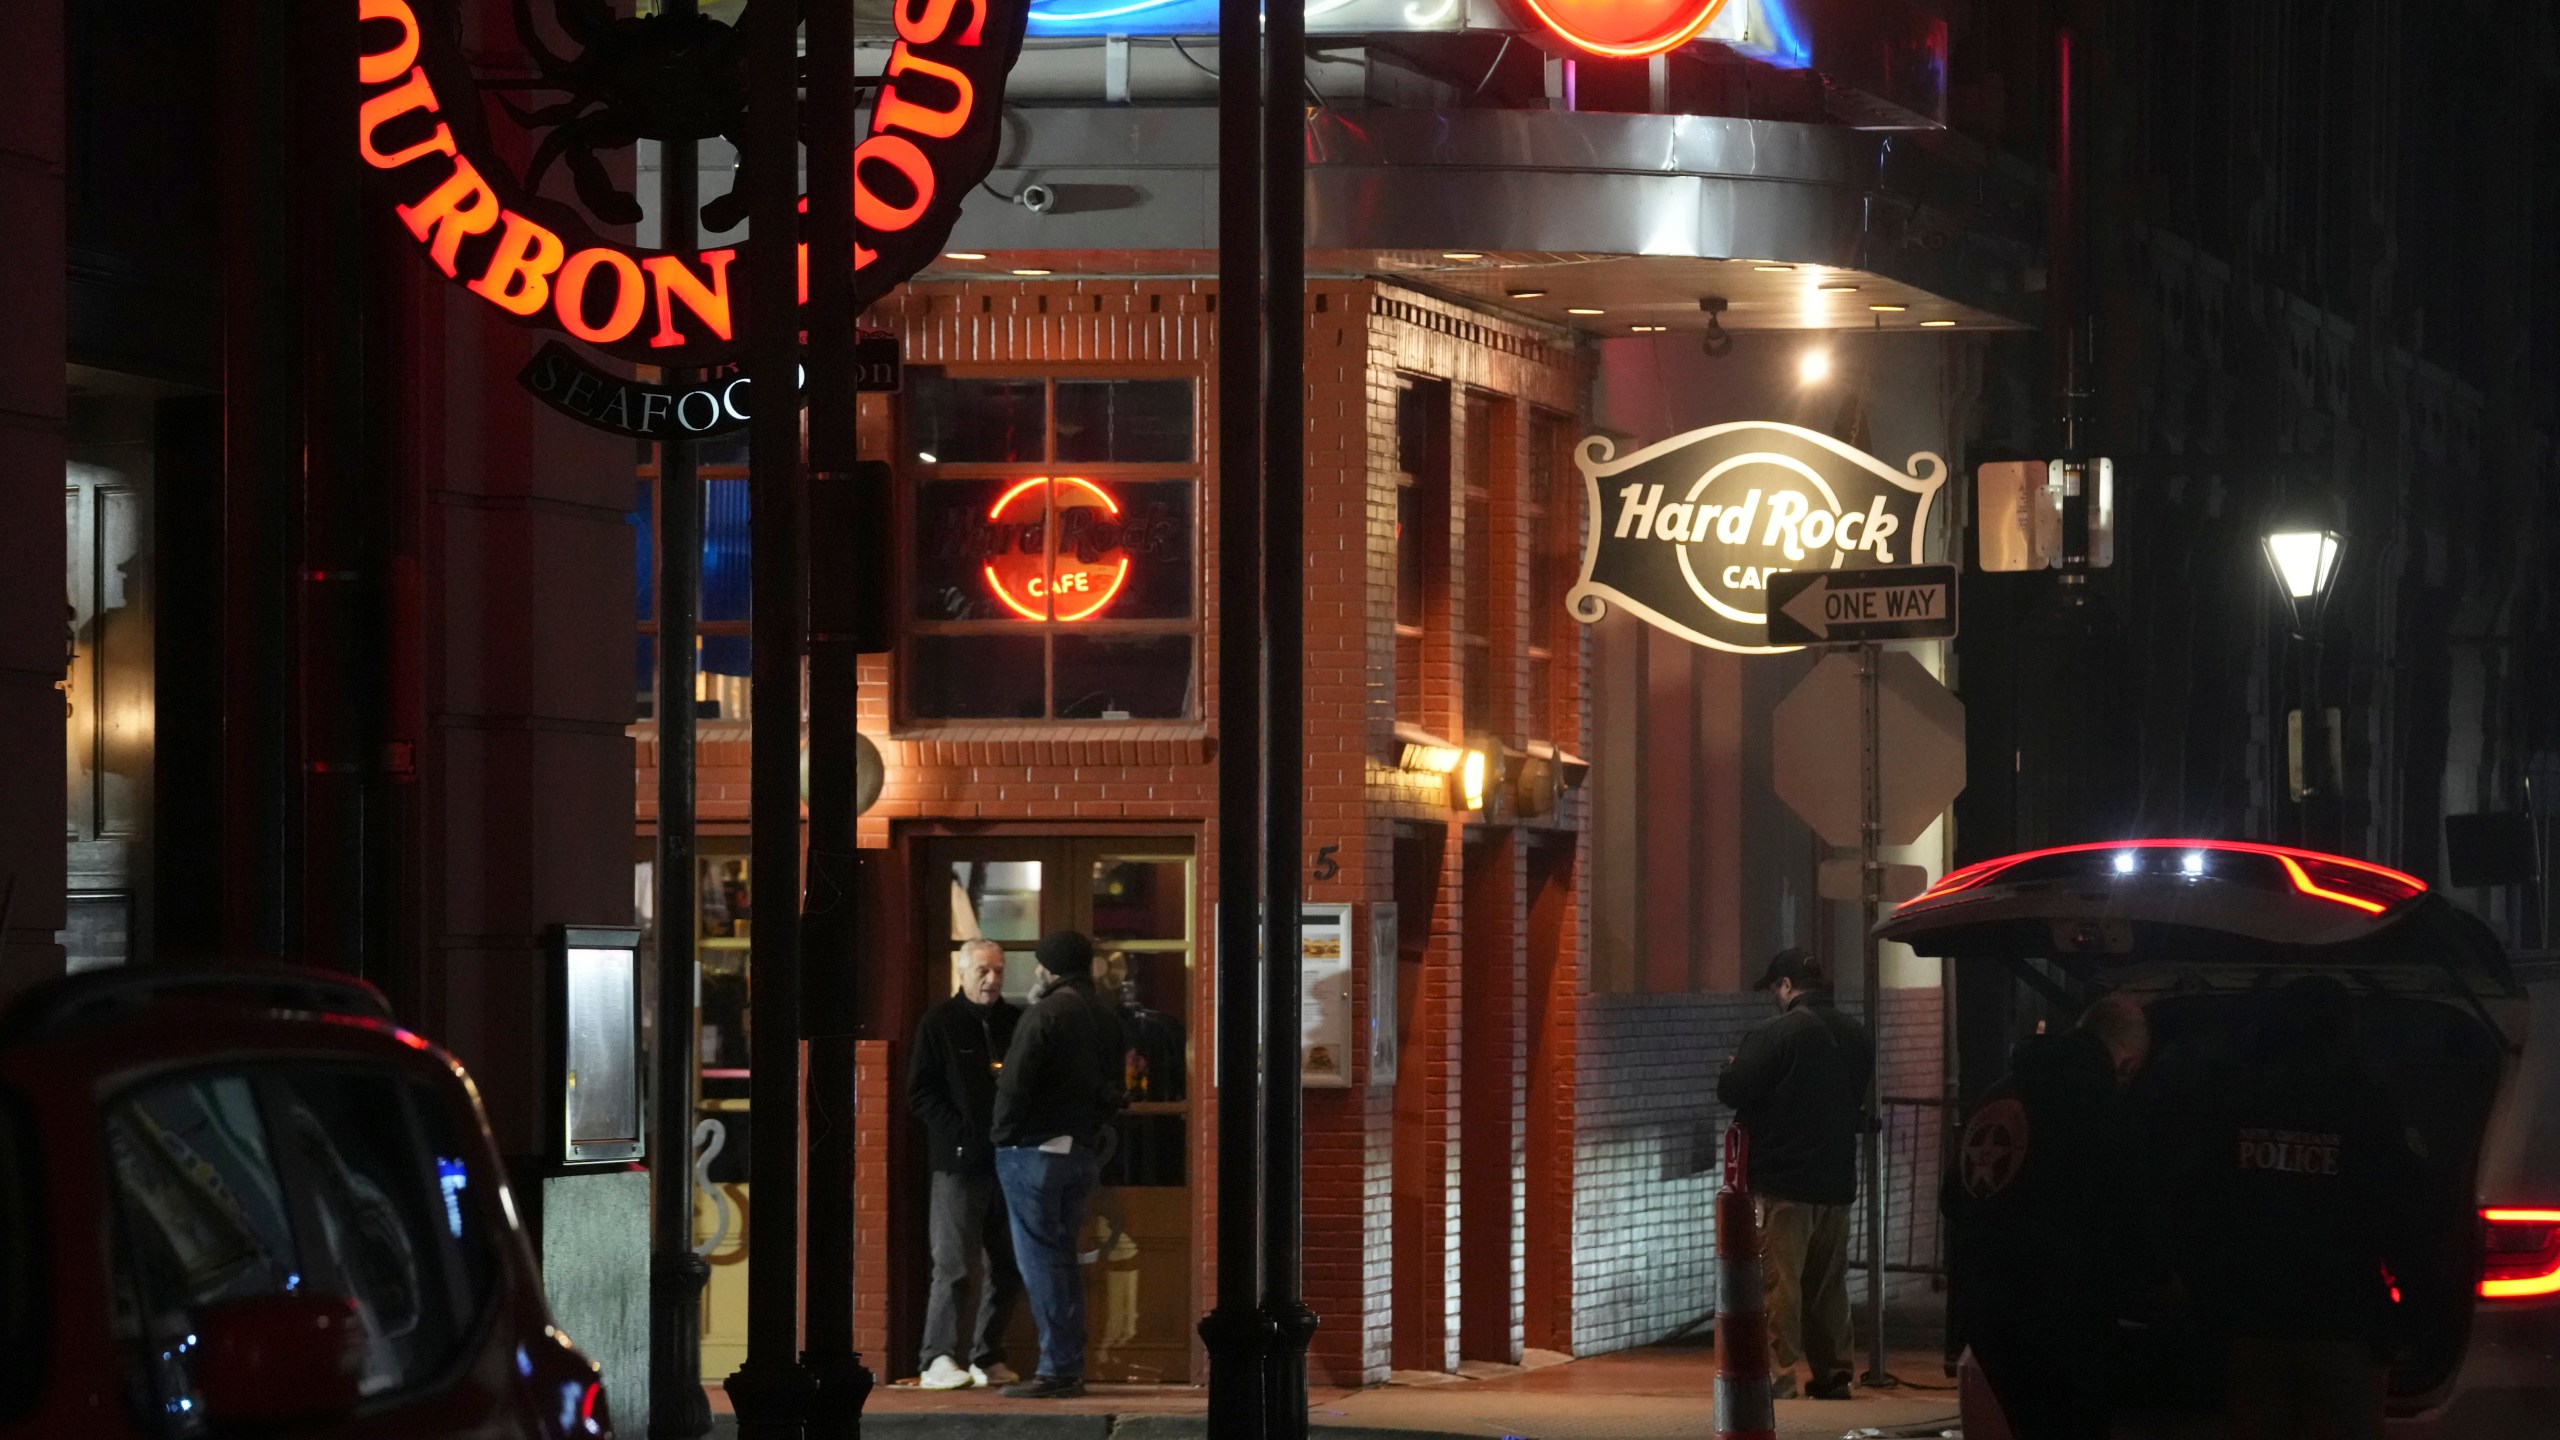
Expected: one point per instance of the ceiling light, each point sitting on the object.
(928, 457)
(1814, 366)
(1583, 310)
(1647, 329)
(964, 255)
(1772, 268)
(1461, 254)
(1524, 294)
(1840, 287)
(1032, 270)
(1888, 309)
(1936, 324)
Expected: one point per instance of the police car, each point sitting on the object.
(2466, 1038)
(245, 1201)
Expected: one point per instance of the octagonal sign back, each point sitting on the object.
(1920, 744)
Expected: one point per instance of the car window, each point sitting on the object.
(23, 1282)
(294, 1179)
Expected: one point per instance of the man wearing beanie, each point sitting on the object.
(1060, 1087)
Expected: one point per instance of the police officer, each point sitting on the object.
(2046, 1224)
(2312, 1204)
(1799, 1087)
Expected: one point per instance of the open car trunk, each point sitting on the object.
(2440, 1063)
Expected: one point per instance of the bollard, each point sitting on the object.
(1743, 1410)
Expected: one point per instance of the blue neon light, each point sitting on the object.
(1124, 17)
(1789, 46)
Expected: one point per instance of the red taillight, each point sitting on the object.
(2519, 1253)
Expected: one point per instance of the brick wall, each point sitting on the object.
(1646, 1156)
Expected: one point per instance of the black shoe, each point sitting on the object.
(1045, 1387)
(1835, 1388)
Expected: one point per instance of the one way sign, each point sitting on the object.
(1842, 607)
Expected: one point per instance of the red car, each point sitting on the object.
(246, 1201)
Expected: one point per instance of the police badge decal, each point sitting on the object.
(1686, 533)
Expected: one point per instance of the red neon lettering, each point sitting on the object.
(900, 154)
(900, 113)
(569, 297)
(518, 279)
(381, 67)
(390, 105)
(463, 205)
(928, 24)
(673, 282)
(1626, 28)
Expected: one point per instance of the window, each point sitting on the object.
(305, 1179)
(721, 648)
(1548, 509)
(1486, 417)
(1053, 529)
(1422, 539)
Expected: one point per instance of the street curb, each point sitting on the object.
(932, 1425)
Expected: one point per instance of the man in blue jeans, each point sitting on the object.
(1061, 1085)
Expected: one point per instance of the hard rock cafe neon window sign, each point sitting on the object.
(542, 262)
(1083, 575)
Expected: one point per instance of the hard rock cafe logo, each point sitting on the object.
(1098, 544)
(1686, 533)
(421, 126)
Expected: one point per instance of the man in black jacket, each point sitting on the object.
(1062, 1083)
(2048, 1235)
(1799, 1087)
(951, 1087)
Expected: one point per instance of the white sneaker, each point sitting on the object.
(942, 1374)
(997, 1374)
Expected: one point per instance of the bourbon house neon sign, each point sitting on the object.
(539, 261)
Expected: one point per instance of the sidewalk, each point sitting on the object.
(1660, 1393)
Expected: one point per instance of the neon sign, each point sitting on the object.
(1626, 28)
(1083, 576)
(932, 137)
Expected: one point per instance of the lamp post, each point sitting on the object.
(2305, 561)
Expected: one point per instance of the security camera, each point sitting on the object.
(1718, 343)
(1038, 199)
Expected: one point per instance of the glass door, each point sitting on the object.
(1137, 899)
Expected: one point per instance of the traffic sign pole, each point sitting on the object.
(1871, 896)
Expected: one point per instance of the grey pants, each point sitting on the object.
(968, 1226)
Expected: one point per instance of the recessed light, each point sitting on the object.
(1772, 268)
(1888, 309)
(1814, 366)
(1583, 310)
(1524, 294)
(1028, 270)
(1936, 324)
(928, 457)
(1647, 329)
(1839, 287)
(964, 255)
(1461, 254)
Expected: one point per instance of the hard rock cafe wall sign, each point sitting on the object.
(423, 129)
(1686, 533)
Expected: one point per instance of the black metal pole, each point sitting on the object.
(678, 1410)
(772, 1390)
(1233, 1331)
(1287, 1321)
(834, 681)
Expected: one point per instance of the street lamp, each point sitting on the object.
(2305, 561)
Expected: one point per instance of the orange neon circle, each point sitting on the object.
(1034, 611)
(1626, 28)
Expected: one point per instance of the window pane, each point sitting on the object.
(981, 550)
(644, 538)
(1542, 698)
(1151, 538)
(1124, 422)
(974, 677)
(1123, 677)
(1480, 568)
(730, 449)
(725, 557)
(1409, 567)
(645, 675)
(1000, 899)
(1409, 679)
(1141, 899)
(957, 421)
(1475, 687)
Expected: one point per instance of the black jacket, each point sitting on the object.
(1065, 1072)
(2048, 1226)
(1799, 1087)
(951, 1080)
